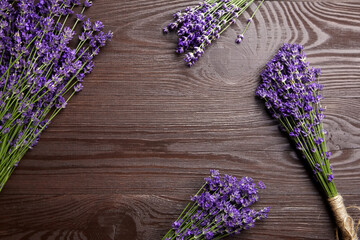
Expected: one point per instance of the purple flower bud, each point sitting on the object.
(98, 26)
(165, 30)
(87, 25)
(80, 17)
(240, 36)
(261, 185)
(5, 130)
(88, 3)
(176, 225)
(330, 177)
(209, 235)
(78, 87)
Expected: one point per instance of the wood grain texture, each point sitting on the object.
(122, 159)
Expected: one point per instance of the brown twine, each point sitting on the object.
(357, 225)
(344, 222)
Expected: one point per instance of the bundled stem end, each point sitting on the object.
(344, 222)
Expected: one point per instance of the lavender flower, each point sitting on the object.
(220, 208)
(39, 71)
(291, 92)
(197, 27)
(88, 3)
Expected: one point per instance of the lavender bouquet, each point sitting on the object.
(39, 70)
(197, 27)
(290, 89)
(220, 208)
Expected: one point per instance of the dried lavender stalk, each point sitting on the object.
(39, 71)
(219, 209)
(197, 27)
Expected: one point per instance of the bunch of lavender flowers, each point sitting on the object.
(290, 89)
(39, 70)
(219, 209)
(197, 27)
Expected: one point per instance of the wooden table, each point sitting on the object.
(121, 161)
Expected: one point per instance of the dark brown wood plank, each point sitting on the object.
(139, 216)
(121, 161)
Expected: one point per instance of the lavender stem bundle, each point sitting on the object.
(290, 89)
(197, 27)
(39, 71)
(220, 208)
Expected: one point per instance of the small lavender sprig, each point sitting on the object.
(39, 71)
(219, 209)
(290, 89)
(197, 27)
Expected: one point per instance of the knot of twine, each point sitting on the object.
(344, 222)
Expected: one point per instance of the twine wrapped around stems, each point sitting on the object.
(344, 222)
